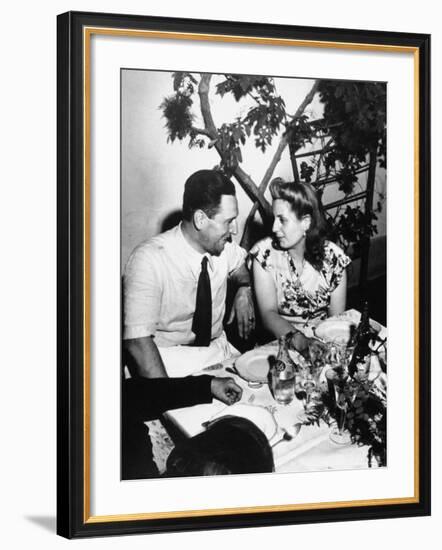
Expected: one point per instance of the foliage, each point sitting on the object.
(242, 85)
(301, 132)
(365, 416)
(354, 122)
(230, 138)
(306, 172)
(352, 127)
(355, 118)
(353, 226)
(179, 118)
(357, 404)
(363, 108)
(263, 119)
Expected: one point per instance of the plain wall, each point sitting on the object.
(28, 275)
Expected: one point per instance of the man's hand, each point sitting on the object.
(244, 311)
(226, 390)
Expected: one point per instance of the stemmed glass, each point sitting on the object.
(339, 358)
(310, 382)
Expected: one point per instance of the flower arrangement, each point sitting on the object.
(355, 403)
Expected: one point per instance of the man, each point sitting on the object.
(175, 285)
(144, 399)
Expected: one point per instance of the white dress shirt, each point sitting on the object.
(160, 283)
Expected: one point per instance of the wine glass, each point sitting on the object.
(339, 433)
(308, 385)
(337, 375)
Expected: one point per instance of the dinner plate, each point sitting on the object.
(254, 365)
(260, 416)
(337, 331)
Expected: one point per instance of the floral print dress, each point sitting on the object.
(305, 296)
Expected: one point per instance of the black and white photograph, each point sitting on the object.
(253, 274)
(208, 263)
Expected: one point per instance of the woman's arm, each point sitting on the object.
(267, 302)
(338, 297)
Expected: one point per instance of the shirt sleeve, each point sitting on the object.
(337, 262)
(236, 256)
(142, 290)
(147, 398)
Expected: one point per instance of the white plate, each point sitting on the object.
(258, 415)
(254, 365)
(337, 331)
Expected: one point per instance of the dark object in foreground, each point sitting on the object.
(230, 445)
(146, 399)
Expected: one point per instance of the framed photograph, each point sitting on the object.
(237, 265)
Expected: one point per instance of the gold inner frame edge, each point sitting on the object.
(87, 33)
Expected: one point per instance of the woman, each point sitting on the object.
(299, 276)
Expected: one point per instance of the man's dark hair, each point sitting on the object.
(229, 445)
(203, 191)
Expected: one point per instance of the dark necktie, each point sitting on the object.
(202, 318)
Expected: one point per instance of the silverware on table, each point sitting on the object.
(251, 384)
(216, 366)
(287, 436)
(233, 370)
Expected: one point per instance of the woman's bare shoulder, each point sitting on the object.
(263, 252)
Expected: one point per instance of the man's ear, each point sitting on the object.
(199, 219)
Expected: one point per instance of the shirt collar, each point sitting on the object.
(194, 255)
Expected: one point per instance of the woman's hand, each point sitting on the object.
(299, 342)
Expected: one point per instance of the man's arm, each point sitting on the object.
(146, 358)
(148, 399)
(142, 305)
(243, 308)
(241, 277)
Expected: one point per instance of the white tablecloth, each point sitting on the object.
(310, 450)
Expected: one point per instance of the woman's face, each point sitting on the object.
(287, 227)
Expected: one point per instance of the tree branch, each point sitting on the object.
(327, 147)
(252, 191)
(243, 179)
(286, 137)
(201, 131)
(203, 92)
(278, 153)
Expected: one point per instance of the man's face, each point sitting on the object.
(220, 228)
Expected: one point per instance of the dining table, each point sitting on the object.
(297, 447)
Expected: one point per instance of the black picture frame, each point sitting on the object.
(73, 517)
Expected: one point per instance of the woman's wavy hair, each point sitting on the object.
(304, 202)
